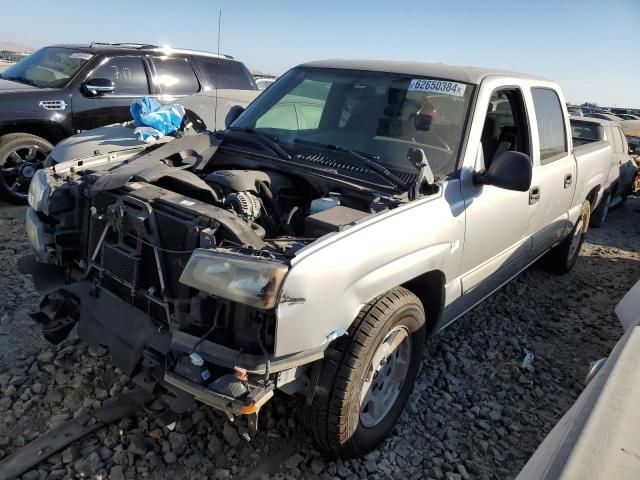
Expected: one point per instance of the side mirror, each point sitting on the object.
(99, 86)
(509, 170)
(233, 113)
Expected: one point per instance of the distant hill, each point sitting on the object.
(14, 47)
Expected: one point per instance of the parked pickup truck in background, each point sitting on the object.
(352, 209)
(589, 134)
(64, 89)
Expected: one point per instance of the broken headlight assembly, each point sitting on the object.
(39, 191)
(248, 280)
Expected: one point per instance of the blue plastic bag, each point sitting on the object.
(147, 134)
(148, 112)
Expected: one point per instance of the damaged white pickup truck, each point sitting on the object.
(352, 209)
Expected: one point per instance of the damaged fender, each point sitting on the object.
(365, 261)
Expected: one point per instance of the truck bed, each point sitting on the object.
(593, 163)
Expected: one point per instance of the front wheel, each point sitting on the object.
(367, 376)
(21, 154)
(563, 257)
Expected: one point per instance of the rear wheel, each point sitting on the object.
(563, 257)
(21, 154)
(367, 376)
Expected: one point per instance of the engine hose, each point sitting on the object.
(266, 191)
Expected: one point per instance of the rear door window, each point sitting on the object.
(174, 76)
(585, 132)
(551, 127)
(127, 73)
(225, 73)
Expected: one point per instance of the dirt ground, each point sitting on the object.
(475, 412)
(4, 65)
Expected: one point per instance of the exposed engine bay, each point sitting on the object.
(198, 241)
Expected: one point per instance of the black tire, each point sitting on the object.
(334, 418)
(599, 215)
(21, 154)
(564, 256)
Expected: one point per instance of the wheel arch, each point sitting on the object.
(592, 196)
(429, 288)
(50, 132)
(307, 294)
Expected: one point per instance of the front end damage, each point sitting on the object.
(136, 297)
(179, 284)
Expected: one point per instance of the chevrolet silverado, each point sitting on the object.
(352, 209)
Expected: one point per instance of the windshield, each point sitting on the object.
(50, 67)
(377, 114)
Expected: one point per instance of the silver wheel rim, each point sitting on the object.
(385, 376)
(19, 166)
(575, 241)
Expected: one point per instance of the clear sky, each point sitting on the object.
(590, 47)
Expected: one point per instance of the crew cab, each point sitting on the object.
(65, 89)
(589, 133)
(352, 209)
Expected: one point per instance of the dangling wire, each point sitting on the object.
(213, 327)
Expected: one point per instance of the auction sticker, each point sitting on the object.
(437, 86)
(81, 56)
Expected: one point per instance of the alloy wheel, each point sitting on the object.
(385, 376)
(19, 167)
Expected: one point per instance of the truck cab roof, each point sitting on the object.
(467, 74)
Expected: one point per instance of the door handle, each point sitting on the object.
(568, 180)
(534, 195)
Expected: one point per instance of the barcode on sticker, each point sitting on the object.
(437, 86)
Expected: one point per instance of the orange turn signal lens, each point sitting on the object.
(248, 409)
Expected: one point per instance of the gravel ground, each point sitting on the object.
(475, 413)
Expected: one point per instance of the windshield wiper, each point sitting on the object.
(265, 140)
(380, 169)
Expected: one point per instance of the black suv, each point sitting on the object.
(64, 89)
